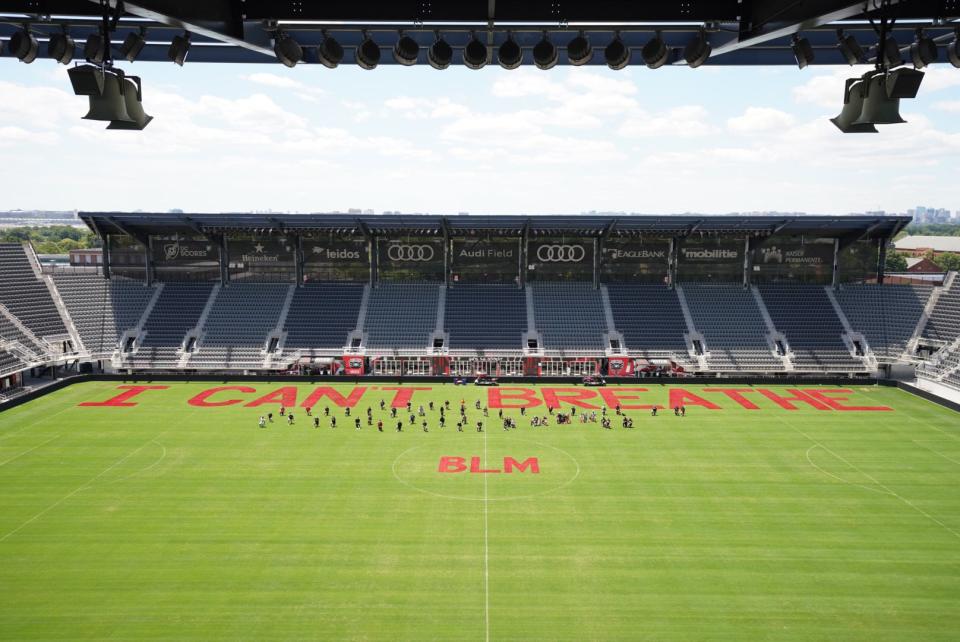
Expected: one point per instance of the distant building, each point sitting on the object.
(89, 258)
(921, 265)
(920, 245)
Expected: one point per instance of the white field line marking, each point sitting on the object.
(163, 456)
(936, 452)
(7, 461)
(45, 417)
(486, 543)
(872, 479)
(837, 477)
(82, 487)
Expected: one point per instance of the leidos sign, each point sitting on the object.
(459, 465)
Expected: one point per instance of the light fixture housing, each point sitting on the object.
(953, 50)
(878, 107)
(475, 53)
(891, 53)
(545, 54)
(132, 98)
(132, 45)
(87, 80)
(287, 50)
(329, 52)
(903, 83)
(510, 54)
(110, 105)
(802, 52)
(95, 48)
(849, 48)
(617, 54)
(852, 108)
(61, 48)
(579, 50)
(406, 51)
(655, 53)
(179, 48)
(440, 54)
(24, 46)
(698, 50)
(368, 54)
(923, 51)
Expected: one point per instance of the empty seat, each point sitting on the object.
(486, 317)
(569, 316)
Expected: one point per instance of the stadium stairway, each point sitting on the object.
(27, 297)
(886, 315)
(943, 325)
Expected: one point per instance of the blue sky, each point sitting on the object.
(309, 139)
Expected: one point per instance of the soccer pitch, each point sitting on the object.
(177, 517)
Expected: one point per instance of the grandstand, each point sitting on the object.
(701, 309)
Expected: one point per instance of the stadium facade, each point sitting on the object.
(461, 295)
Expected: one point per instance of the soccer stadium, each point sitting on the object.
(595, 426)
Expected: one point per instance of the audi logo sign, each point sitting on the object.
(410, 253)
(561, 253)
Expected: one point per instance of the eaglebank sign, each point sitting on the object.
(711, 398)
(616, 255)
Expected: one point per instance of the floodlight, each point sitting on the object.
(953, 50)
(132, 45)
(288, 50)
(87, 80)
(510, 54)
(697, 50)
(579, 51)
(475, 53)
(923, 51)
(329, 52)
(903, 83)
(849, 48)
(852, 108)
(655, 53)
(61, 48)
(617, 54)
(406, 51)
(545, 53)
(179, 48)
(132, 97)
(95, 48)
(802, 51)
(878, 107)
(440, 54)
(111, 104)
(891, 53)
(24, 46)
(368, 53)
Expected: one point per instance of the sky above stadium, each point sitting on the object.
(310, 139)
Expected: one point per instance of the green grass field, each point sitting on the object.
(168, 520)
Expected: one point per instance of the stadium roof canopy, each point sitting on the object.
(141, 225)
(741, 32)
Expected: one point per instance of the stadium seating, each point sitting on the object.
(177, 310)
(101, 309)
(732, 326)
(944, 322)
(241, 318)
(887, 315)
(485, 317)
(9, 362)
(401, 315)
(321, 317)
(650, 319)
(569, 316)
(10, 332)
(26, 296)
(805, 315)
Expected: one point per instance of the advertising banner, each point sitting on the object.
(411, 259)
(715, 259)
(353, 365)
(620, 367)
(633, 260)
(261, 258)
(327, 258)
(793, 258)
(179, 251)
(485, 260)
(560, 259)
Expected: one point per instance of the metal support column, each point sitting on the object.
(105, 239)
(298, 259)
(597, 248)
(524, 237)
(672, 260)
(148, 262)
(835, 280)
(881, 259)
(374, 260)
(747, 262)
(224, 259)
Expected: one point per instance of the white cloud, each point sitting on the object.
(947, 105)
(688, 121)
(757, 120)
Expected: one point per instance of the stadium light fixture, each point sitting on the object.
(406, 51)
(923, 51)
(179, 48)
(617, 54)
(802, 51)
(24, 45)
(87, 80)
(849, 48)
(132, 98)
(95, 48)
(440, 53)
(579, 50)
(878, 107)
(109, 105)
(545, 53)
(510, 54)
(475, 53)
(133, 44)
(655, 53)
(890, 51)
(368, 53)
(852, 108)
(903, 83)
(329, 52)
(61, 48)
(953, 50)
(697, 50)
(287, 50)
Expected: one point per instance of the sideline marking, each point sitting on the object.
(393, 469)
(486, 541)
(7, 461)
(935, 452)
(83, 486)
